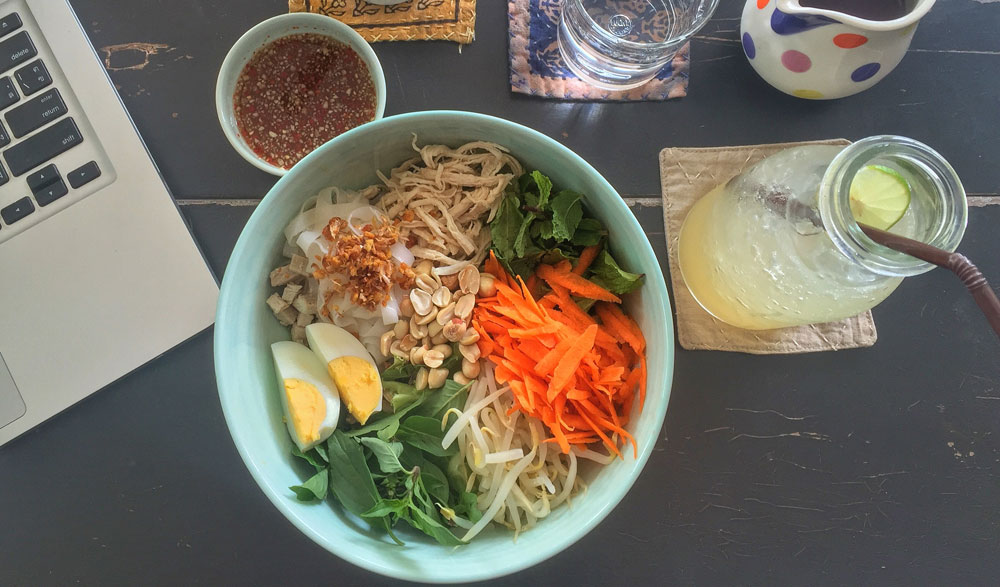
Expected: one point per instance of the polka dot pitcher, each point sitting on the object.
(825, 49)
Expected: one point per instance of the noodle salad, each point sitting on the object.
(467, 317)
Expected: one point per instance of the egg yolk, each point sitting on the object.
(306, 408)
(358, 384)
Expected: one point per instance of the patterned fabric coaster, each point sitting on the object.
(537, 68)
(413, 20)
(688, 174)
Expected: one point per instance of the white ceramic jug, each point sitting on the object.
(822, 54)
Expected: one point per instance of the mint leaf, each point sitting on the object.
(506, 225)
(434, 481)
(426, 434)
(544, 185)
(589, 232)
(567, 211)
(313, 489)
(606, 273)
(350, 479)
(523, 239)
(387, 454)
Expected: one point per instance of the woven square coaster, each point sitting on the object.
(685, 176)
(413, 20)
(537, 68)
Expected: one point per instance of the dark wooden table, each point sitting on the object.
(866, 466)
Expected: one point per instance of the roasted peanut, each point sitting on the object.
(416, 329)
(470, 368)
(401, 328)
(461, 379)
(438, 338)
(444, 349)
(471, 336)
(469, 280)
(434, 328)
(427, 283)
(417, 355)
(406, 343)
(421, 301)
(421, 381)
(470, 351)
(436, 378)
(441, 297)
(428, 318)
(464, 306)
(385, 342)
(487, 285)
(395, 349)
(450, 281)
(433, 359)
(454, 330)
(445, 314)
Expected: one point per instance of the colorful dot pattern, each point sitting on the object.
(796, 61)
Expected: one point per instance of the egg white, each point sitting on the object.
(296, 361)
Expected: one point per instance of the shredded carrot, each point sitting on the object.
(575, 283)
(576, 375)
(587, 257)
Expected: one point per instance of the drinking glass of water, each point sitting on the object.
(622, 44)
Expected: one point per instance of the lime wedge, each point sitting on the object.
(879, 196)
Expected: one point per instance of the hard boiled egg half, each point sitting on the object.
(351, 367)
(309, 397)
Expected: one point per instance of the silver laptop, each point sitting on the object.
(98, 272)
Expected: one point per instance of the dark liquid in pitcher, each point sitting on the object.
(867, 9)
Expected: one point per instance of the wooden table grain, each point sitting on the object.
(870, 466)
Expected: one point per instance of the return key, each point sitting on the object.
(36, 113)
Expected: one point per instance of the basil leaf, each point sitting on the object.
(606, 273)
(506, 225)
(387, 453)
(402, 394)
(426, 434)
(441, 400)
(313, 456)
(567, 212)
(400, 370)
(350, 479)
(428, 525)
(434, 481)
(314, 488)
(385, 507)
(389, 431)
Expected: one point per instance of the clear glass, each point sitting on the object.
(778, 246)
(622, 44)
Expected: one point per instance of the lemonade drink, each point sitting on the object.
(778, 246)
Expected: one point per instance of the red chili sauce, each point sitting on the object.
(298, 92)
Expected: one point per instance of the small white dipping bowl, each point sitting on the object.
(266, 32)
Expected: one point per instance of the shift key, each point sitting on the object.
(41, 147)
(35, 113)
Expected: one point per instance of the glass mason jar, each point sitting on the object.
(778, 245)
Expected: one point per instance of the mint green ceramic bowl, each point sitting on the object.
(245, 329)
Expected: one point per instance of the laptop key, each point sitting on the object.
(86, 173)
(42, 178)
(8, 95)
(33, 77)
(4, 137)
(16, 50)
(35, 113)
(4, 178)
(51, 192)
(17, 210)
(9, 23)
(41, 147)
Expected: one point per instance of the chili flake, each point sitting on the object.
(299, 91)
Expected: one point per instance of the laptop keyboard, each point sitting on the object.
(39, 121)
